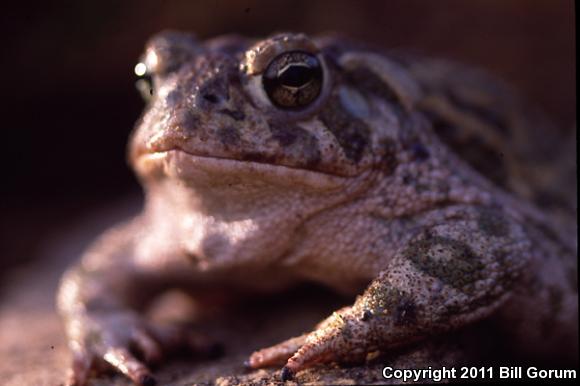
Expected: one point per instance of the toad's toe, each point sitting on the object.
(277, 354)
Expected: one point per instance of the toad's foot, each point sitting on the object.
(127, 343)
(436, 352)
(343, 337)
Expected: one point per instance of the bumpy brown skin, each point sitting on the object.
(383, 182)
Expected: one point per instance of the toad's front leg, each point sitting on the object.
(447, 276)
(100, 300)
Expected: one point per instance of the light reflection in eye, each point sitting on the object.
(140, 69)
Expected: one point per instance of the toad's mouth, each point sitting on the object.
(182, 165)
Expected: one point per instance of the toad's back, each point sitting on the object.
(480, 118)
(520, 150)
(485, 123)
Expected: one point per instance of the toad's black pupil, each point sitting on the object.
(296, 75)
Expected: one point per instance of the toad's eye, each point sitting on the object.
(293, 80)
(144, 84)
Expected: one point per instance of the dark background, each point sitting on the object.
(69, 100)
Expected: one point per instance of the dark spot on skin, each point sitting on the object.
(472, 149)
(405, 313)
(389, 158)
(213, 91)
(285, 135)
(486, 159)
(173, 97)
(365, 79)
(229, 136)
(185, 120)
(234, 114)
(451, 261)
(445, 129)
(492, 223)
(366, 315)
(351, 133)
(484, 300)
(384, 299)
(297, 144)
(407, 179)
(420, 152)
(493, 118)
(211, 98)
(506, 277)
